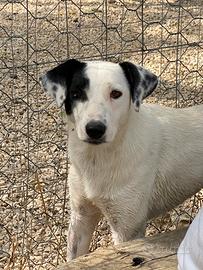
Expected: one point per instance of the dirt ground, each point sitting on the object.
(35, 35)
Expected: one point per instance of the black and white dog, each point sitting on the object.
(130, 162)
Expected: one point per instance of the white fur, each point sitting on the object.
(154, 166)
(151, 162)
(99, 106)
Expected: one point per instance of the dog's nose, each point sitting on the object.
(95, 129)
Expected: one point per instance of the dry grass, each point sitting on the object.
(33, 140)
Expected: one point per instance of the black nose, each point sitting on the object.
(95, 129)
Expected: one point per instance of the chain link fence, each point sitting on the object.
(164, 35)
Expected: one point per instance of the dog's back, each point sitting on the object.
(180, 169)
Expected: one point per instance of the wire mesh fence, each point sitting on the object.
(164, 35)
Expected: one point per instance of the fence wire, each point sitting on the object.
(164, 35)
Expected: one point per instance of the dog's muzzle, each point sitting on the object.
(95, 131)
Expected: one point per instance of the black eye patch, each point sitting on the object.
(77, 95)
(78, 88)
(77, 91)
(70, 75)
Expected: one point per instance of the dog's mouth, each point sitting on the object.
(94, 141)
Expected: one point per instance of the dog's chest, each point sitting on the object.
(101, 172)
(98, 175)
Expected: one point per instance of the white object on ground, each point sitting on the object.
(190, 252)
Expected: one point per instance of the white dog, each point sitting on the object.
(130, 162)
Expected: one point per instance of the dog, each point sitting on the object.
(130, 162)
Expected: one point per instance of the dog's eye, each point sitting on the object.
(115, 94)
(75, 95)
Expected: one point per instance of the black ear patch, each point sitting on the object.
(141, 81)
(67, 83)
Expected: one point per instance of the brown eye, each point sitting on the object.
(115, 94)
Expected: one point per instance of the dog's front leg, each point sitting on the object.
(84, 218)
(127, 217)
(120, 235)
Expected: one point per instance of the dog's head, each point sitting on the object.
(98, 95)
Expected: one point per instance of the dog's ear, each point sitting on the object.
(141, 82)
(58, 80)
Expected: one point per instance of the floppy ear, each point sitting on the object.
(141, 81)
(58, 80)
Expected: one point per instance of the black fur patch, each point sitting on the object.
(133, 77)
(149, 79)
(54, 88)
(136, 83)
(71, 75)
